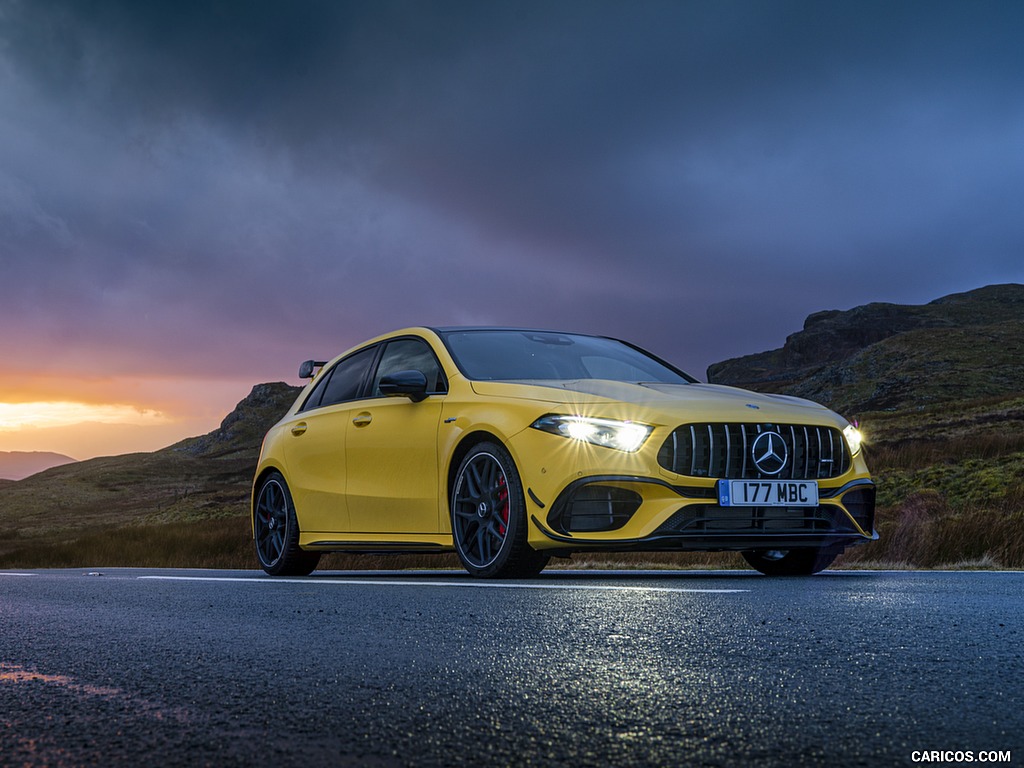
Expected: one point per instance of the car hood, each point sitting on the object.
(655, 401)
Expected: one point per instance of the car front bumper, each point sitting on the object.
(844, 518)
(589, 498)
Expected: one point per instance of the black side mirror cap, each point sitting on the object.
(308, 368)
(411, 384)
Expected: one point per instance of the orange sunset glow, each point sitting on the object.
(23, 416)
(136, 415)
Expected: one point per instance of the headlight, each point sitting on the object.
(622, 435)
(853, 438)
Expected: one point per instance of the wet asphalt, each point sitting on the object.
(219, 668)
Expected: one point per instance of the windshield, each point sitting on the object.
(506, 355)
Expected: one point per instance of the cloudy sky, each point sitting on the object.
(195, 196)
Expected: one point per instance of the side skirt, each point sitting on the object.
(376, 547)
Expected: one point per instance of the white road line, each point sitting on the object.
(470, 584)
(18, 574)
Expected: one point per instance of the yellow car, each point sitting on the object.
(511, 446)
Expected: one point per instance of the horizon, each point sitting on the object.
(194, 199)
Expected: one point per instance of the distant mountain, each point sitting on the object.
(17, 465)
(883, 357)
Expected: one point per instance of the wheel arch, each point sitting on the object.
(514, 558)
(464, 446)
(261, 476)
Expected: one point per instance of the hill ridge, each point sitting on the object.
(883, 356)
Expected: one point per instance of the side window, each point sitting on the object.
(344, 381)
(411, 355)
(318, 392)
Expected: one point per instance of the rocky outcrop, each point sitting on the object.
(243, 429)
(887, 356)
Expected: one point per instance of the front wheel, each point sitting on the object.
(489, 516)
(790, 562)
(276, 531)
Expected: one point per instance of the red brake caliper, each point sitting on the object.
(503, 498)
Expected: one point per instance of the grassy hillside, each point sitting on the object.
(887, 357)
(951, 484)
(144, 507)
(939, 391)
(951, 494)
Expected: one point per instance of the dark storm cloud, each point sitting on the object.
(236, 180)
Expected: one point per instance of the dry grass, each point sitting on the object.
(918, 454)
(226, 543)
(927, 531)
(220, 543)
(951, 495)
(981, 564)
(924, 533)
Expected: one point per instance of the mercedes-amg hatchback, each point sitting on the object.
(510, 446)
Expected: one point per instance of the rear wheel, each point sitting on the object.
(276, 531)
(489, 516)
(790, 562)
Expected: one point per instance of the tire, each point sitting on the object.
(276, 531)
(790, 562)
(489, 516)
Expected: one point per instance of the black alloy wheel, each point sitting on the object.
(276, 531)
(489, 516)
(790, 562)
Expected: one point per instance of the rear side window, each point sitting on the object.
(343, 382)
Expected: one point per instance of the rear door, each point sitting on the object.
(315, 450)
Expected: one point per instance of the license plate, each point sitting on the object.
(767, 493)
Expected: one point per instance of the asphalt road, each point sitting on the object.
(192, 668)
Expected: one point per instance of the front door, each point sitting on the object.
(391, 449)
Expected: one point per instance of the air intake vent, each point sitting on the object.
(708, 518)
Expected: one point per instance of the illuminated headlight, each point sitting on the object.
(853, 438)
(622, 435)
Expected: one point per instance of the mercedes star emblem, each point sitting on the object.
(769, 453)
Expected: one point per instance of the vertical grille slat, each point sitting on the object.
(807, 454)
(693, 451)
(711, 451)
(792, 449)
(743, 471)
(728, 450)
(818, 433)
(722, 450)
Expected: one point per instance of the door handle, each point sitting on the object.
(299, 429)
(362, 419)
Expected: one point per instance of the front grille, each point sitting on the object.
(725, 451)
(711, 518)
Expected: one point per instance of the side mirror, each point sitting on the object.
(307, 368)
(412, 384)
